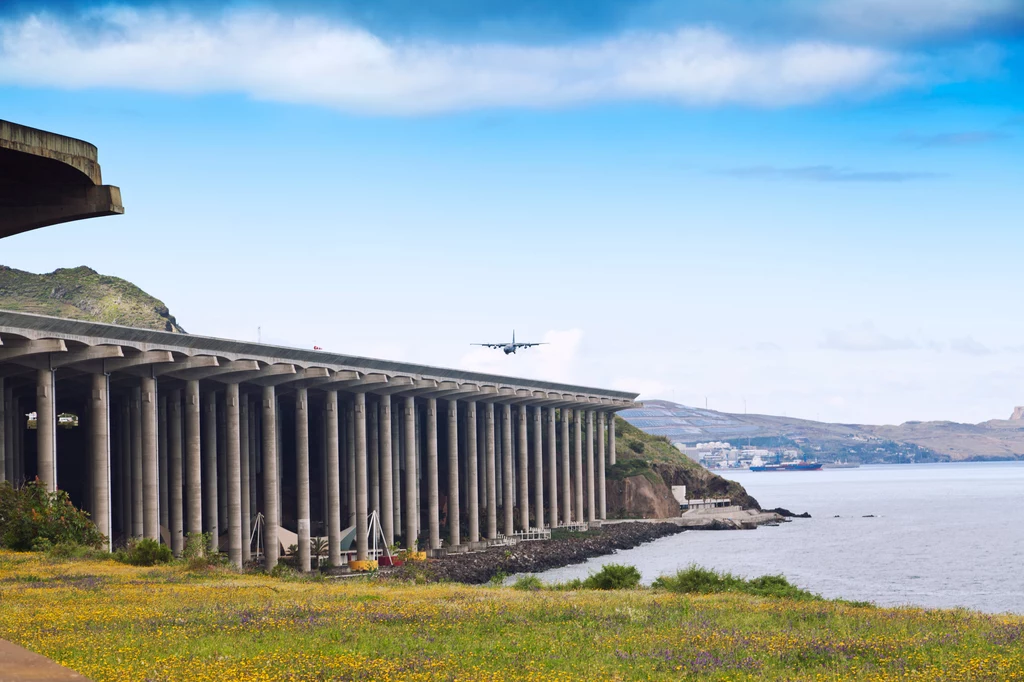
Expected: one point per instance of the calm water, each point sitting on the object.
(942, 535)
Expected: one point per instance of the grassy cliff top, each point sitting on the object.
(83, 294)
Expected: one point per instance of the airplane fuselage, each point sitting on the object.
(509, 349)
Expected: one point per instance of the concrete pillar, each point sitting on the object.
(359, 415)
(538, 468)
(373, 455)
(472, 477)
(591, 483)
(162, 455)
(454, 513)
(46, 434)
(433, 513)
(492, 492)
(150, 459)
(5, 474)
(193, 460)
(506, 470)
(396, 471)
(18, 439)
(577, 471)
(333, 479)
(302, 476)
(602, 502)
(552, 469)
(523, 452)
(566, 491)
(210, 502)
(174, 462)
(350, 463)
(99, 455)
(271, 507)
(387, 497)
(233, 472)
(409, 447)
(8, 435)
(611, 438)
(245, 501)
(138, 475)
(124, 426)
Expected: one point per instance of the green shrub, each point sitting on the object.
(197, 553)
(637, 446)
(528, 583)
(698, 580)
(568, 586)
(283, 571)
(613, 577)
(144, 552)
(31, 518)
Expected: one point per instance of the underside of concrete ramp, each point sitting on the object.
(47, 179)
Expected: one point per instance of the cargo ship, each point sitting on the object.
(758, 465)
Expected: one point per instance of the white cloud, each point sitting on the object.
(969, 346)
(308, 60)
(911, 18)
(555, 361)
(864, 337)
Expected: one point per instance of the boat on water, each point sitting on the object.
(757, 464)
(841, 465)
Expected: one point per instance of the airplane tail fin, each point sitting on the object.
(513, 337)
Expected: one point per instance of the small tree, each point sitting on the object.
(30, 515)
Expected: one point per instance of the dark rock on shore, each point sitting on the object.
(782, 511)
(531, 557)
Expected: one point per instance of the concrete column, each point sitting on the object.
(193, 460)
(150, 459)
(245, 501)
(472, 478)
(138, 475)
(433, 513)
(591, 483)
(350, 463)
(8, 435)
(523, 441)
(302, 474)
(46, 434)
(210, 502)
(454, 513)
(611, 438)
(233, 472)
(492, 492)
(125, 433)
(373, 455)
(387, 497)
(99, 454)
(602, 503)
(506, 470)
(359, 415)
(409, 446)
(17, 439)
(396, 471)
(271, 507)
(538, 468)
(165, 519)
(566, 457)
(577, 471)
(174, 461)
(333, 479)
(5, 474)
(552, 469)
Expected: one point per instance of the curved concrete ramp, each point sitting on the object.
(47, 179)
(21, 665)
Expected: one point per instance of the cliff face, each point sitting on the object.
(1018, 414)
(638, 497)
(83, 294)
(701, 483)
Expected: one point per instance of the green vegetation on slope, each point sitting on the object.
(673, 467)
(83, 294)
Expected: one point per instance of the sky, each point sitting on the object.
(810, 208)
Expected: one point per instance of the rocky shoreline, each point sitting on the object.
(532, 557)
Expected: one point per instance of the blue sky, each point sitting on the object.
(811, 208)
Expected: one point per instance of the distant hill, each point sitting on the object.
(925, 441)
(83, 294)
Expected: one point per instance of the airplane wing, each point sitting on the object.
(489, 345)
(528, 345)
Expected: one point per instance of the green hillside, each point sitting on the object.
(83, 294)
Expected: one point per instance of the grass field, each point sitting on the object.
(115, 622)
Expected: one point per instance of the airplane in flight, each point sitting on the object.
(509, 348)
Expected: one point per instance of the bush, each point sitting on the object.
(613, 577)
(31, 516)
(197, 553)
(528, 583)
(145, 552)
(698, 580)
(637, 446)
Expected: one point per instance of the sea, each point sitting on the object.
(929, 535)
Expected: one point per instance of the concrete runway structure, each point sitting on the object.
(47, 179)
(159, 434)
